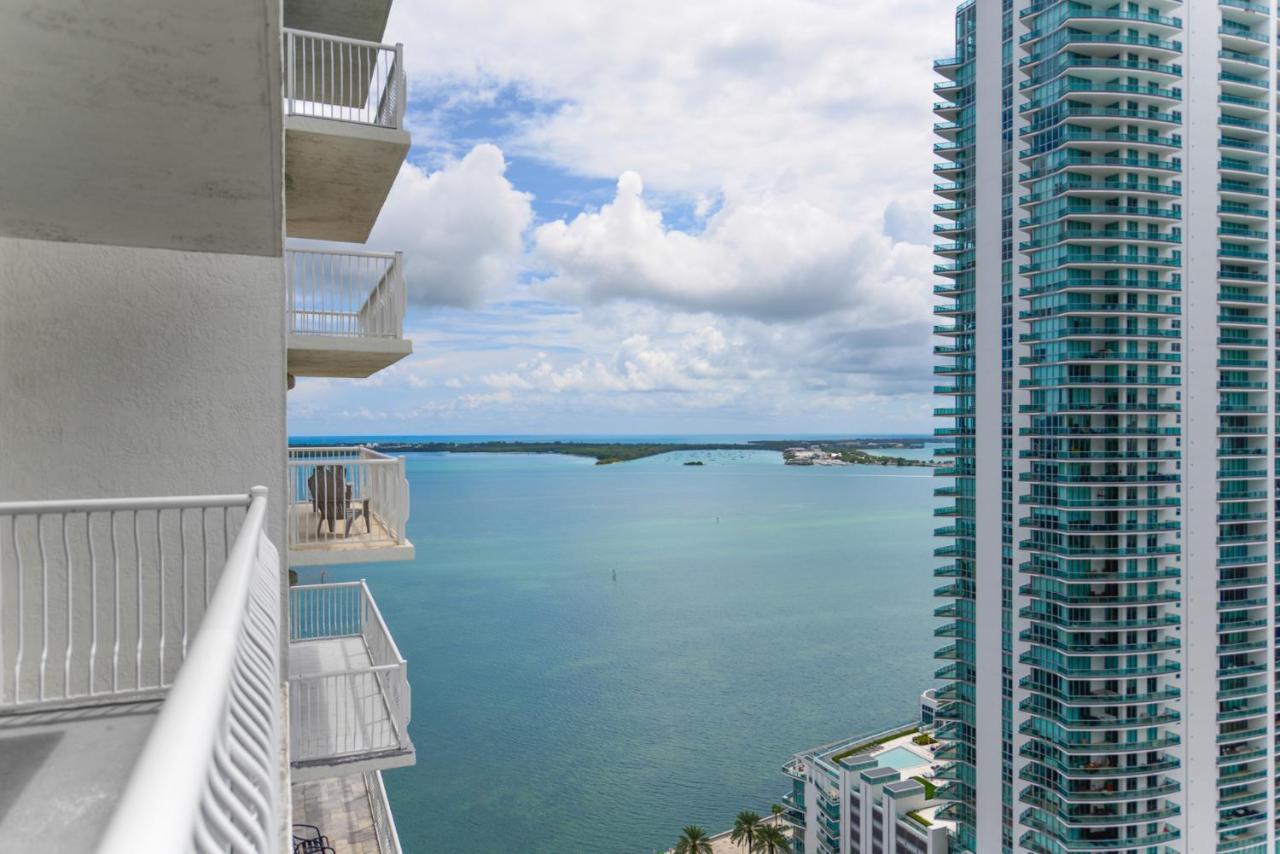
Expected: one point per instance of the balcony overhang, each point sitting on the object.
(348, 685)
(345, 312)
(351, 552)
(332, 356)
(337, 176)
(354, 19)
(344, 103)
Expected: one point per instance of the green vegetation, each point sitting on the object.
(693, 840)
(929, 788)
(863, 458)
(772, 839)
(863, 747)
(919, 819)
(746, 829)
(604, 453)
(924, 739)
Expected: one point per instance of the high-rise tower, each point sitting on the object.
(1109, 212)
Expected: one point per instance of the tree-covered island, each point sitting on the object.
(848, 450)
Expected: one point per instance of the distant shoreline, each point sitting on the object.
(607, 453)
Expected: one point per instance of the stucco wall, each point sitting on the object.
(140, 123)
(130, 371)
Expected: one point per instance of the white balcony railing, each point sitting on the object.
(348, 684)
(346, 498)
(345, 294)
(348, 80)
(112, 601)
(384, 823)
(100, 599)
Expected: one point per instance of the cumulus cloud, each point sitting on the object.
(638, 365)
(771, 271)
(461, 228)
(751, 95)
(776, 259)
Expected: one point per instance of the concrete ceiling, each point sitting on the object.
(338, 175)
(355, 19)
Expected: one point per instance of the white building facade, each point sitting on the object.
(1108, 205)
(162, 686)
(867, 795)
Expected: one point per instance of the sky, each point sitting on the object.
(671, 217)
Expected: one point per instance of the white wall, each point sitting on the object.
(988, 604)
(1199, 587)
(131, 372)
(142, 123)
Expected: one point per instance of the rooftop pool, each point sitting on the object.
(900, 758)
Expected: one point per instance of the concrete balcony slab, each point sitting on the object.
(337, 176)
(354, 19)
(332, 356)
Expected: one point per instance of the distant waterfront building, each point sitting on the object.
(1108, 218)
(163, 688)
(868, 794)
(928, 707)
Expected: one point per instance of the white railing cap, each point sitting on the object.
(307, 250)
(160, 804)
(329, 37)
(92, 505)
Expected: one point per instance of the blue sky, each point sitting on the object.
(658, 218)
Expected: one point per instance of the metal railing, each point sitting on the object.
(100, 599)
(209, 778)
(361, 709)
(345, 294)
(384, 823)
(346, 495)
(348, 80)
(115, 600)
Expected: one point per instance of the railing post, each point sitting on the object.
(401, 488)
(402, 87)
(291, 92)
(399, 296)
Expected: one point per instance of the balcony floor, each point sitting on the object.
(363, 545)
(345, 724)
(61, 773)
(340, 807)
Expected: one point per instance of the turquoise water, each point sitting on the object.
(759, 609)
(900, 758)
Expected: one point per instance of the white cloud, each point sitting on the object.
(776, 258)
(787, 287)
(828, 96)
(461, 228)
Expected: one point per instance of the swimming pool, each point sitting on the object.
(900, 758)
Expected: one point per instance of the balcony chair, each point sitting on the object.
(310, 841)
(331, 499)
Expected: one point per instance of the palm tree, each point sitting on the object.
(746, 830)
(693, 840)
(772, 839)
(776, 809)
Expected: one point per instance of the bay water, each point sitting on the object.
(758, 609)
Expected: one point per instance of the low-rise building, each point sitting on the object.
(868, 795)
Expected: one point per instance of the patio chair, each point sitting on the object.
(331, 498)
(310, 840)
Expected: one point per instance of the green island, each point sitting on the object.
(794, 451)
